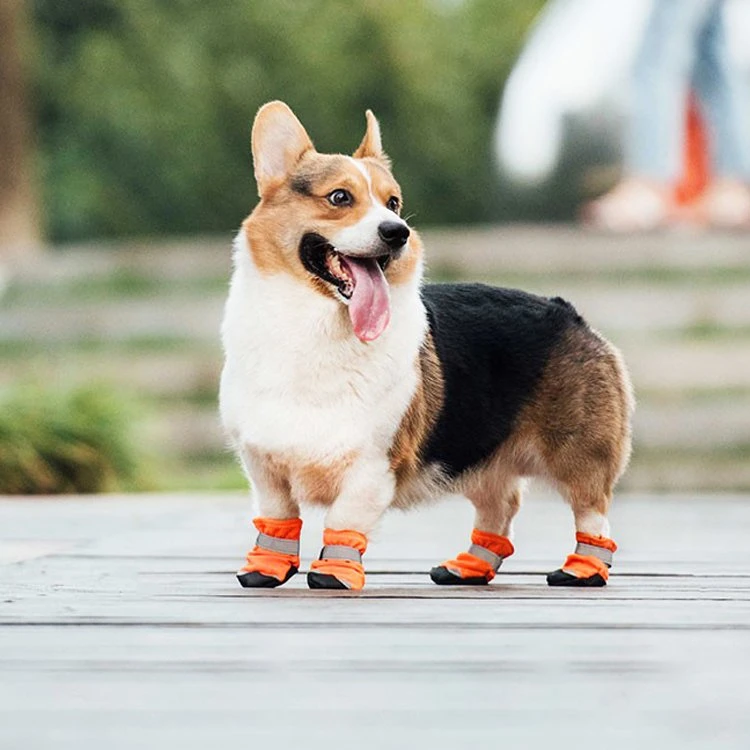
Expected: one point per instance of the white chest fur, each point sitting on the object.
(296, 380)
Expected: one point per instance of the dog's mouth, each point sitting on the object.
(358, 280)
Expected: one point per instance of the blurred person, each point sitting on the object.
(684, 48)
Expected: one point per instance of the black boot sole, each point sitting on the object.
(317, 580)
(561, 578)
(443, 577)
(256, 580)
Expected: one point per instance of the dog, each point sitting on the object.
(350, 384)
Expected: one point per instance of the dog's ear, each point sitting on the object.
(278, 143)
(371, 144)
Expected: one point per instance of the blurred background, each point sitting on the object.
(125, 172)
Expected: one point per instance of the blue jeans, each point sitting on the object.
(685, 47)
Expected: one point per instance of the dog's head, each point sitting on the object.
(331, 221)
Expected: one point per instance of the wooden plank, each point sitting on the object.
(126, 628)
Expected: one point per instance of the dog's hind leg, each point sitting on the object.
(496, 498)
(589, 564)
(275, 557)
(581, 427)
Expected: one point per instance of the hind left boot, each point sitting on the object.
(478, 566)
(588, 566)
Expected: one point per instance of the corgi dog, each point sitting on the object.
(350, 384)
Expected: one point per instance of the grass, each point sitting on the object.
(693, 395)
(207, 471)
(660, 276)
(721, 468)
(120, 284)
(68, 441)
(728, 452)
(22, 349)
(707, 330)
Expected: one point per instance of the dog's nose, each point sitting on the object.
(394, 234)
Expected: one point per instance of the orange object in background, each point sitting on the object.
(696, 161)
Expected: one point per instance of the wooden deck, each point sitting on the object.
(121, 626)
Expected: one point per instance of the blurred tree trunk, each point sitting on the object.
(19, 229)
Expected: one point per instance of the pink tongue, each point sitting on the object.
(370, 305)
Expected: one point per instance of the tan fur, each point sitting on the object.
(271, 477)
(276, 225)
(420, 417)
(274, 122)
(371, 143)
(294, 480)
(321, 483)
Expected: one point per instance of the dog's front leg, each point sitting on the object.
(366, 491)
(275, 557)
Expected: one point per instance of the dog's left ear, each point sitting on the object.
(278, 143)
(371, 144)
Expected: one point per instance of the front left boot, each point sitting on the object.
(340, 563)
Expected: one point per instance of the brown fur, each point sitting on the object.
(420, 417)
(579, 419)
(575, 433)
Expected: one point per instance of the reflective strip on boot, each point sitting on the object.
(602, 554)
(340, 552)
(487, 555)
(274, 544)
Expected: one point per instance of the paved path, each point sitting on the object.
(121, 626)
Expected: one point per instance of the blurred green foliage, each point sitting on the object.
(145, 108)
(54, 441)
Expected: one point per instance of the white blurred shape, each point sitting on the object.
(738, 33)
(578, 52)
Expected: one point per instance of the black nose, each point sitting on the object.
(394, 234)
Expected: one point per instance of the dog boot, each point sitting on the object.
(478, 566)
(588, 566)
(340, 563)
(275, 557)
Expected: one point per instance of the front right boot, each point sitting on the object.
(275, 557)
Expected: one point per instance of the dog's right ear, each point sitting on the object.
(278, 143)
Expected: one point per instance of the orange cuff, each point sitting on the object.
(273, 562)
(500, 545)
(472, 565)
(582, 565)
(596, 541)
(585, 566)
(281, 528)
(349, 571)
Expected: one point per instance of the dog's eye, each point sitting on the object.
(393, 204)
(340, 198)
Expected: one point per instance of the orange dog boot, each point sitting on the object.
(275, 557)
(340, 563)
(588, 566)
(478, 566)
